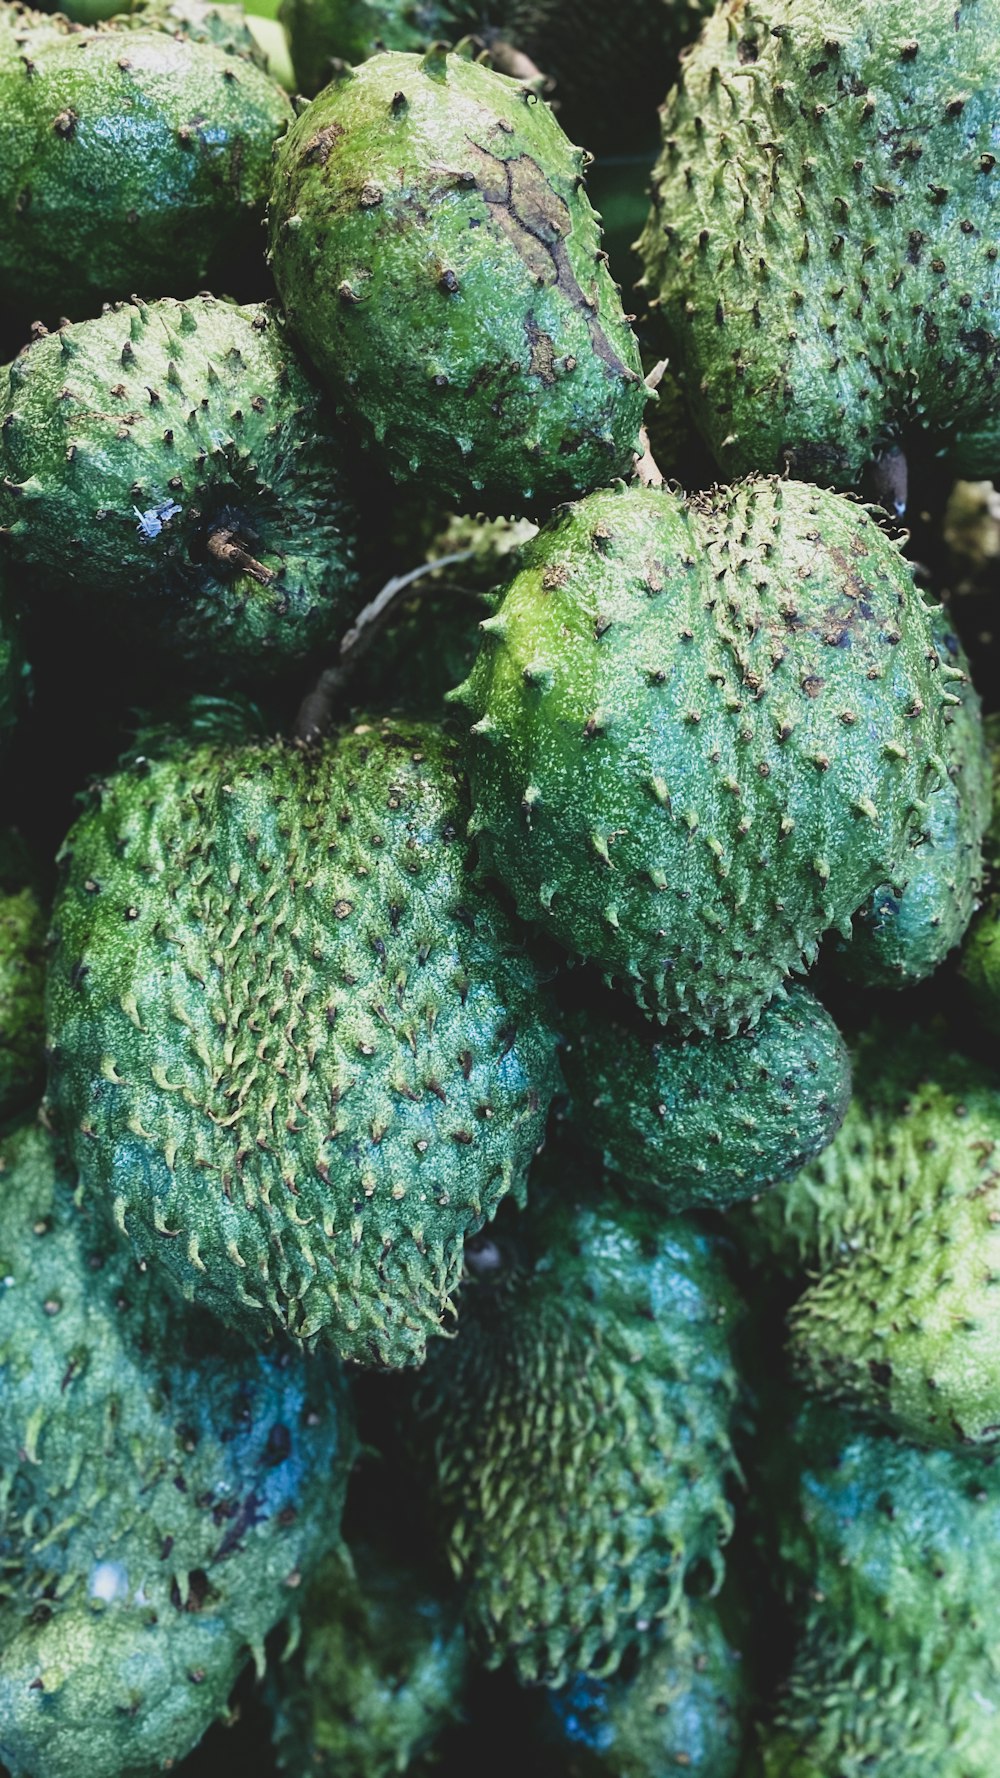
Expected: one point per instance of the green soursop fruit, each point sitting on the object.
(896, 1224)
(23, 926)
(380, 1671)
(172, 463)
(578, 1430)
(435, 250)
(705, 731)
(202, 21)
(163, 1492)
(324, 33)
(821, 247)
(714, 1120)
(297, 1049)
(128, 167)
(980, 961)
(890, 1563)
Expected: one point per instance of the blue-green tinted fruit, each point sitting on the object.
(380, 1671)
(715, 1119)
(980, 961)
(166, 1492)
(123, 167)
(435, 251)
(704, 731)
(578, 1430)
(822, 243)
(22, 975)
(298, 1051)
(173, 465)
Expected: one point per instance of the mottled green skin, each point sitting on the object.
(108, 425)
(439, 259)
(703, 733)
(22, 994)
(822, 245)
(290, 1026)
(324, 32)
(980, 961)
(683, 1708)
(578, 1431)
(380, 1671)
(896, 1224)
(200, 20)
(140, 170)
(163, 1491)
(890, 1564)
(715, 1120)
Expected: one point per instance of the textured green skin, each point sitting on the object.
(145, 1449)
(891, 1566)
(22, 996)
(291, 1026)
(170, 205)
(822, 244)
(704, 732)
(578, 1433)
(199, 20)
(980, 962)
(685, 1707)
(716, 1120)
(464, 316)
(198, 405)
(897, 1223)
(322, 32)
(380, 1672)
(905, 933)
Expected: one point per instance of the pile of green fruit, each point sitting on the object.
(499, 889)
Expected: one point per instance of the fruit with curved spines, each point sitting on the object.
(22, 975)
(704, 731)
(202, 21)
(165, 1491)
(889, 1557)
(980, 960)
(714, 1120)
(172, 143)
(325, 33)
(290, 1025)
(174, 463)
(577, 1429)
(379, 1673)
(909, 927)
(434, 249)
(821, 243)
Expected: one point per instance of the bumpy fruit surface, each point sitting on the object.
(822, 245)
(296, 1048)
(324, 32)
(435, 250)
(164, 1490)
(980, 964)
(705, 731)
(713, 1120)
(578, 1430)
(128, 167)
(172, 463)
(22, 975)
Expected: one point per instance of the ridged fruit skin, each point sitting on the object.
(708, 1122)
(890, 1563)
(163, 1493)
(684, 1708)
(577, 1431)
(380, 1671)
(297, 1050)
(435, 251)
(704, 730)
(140, 167)
(23, 924)
(822, 243)
(896, 1226)
(904, 934)
(980, 960)
(130, 443)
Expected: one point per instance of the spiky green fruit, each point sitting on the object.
(896, 1225)
(22, 975)
(714, 1120)
(165, 1492)
(123, 167)
(203, 21)
(435, 251)
(890, 1560)
(380, 1672)
(296, 1048)
(705, 731)
(980, 962)
(578, 1430)
(324, 33)
(821, 244)
(173, 464)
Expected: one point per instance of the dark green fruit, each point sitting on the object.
(323, 33)
(980, 963)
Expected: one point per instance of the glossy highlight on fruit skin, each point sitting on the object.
(298, 1051)
(434, 249)
(703, 730)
